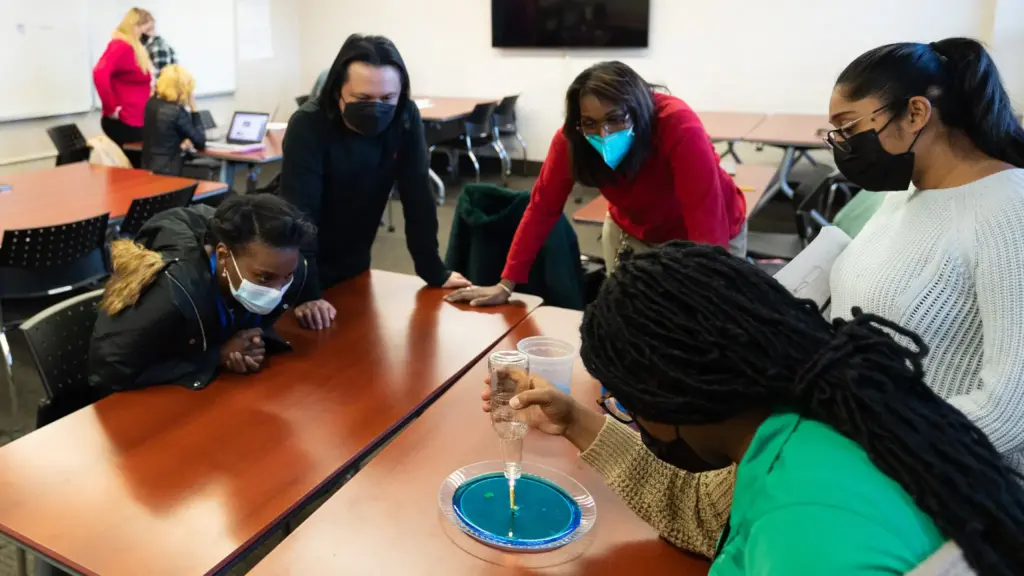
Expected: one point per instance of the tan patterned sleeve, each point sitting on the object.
(688, 509)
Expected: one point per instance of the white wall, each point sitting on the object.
(1007, 45)
(757, 55)
(261, 85)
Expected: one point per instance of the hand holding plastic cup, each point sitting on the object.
(551, 359)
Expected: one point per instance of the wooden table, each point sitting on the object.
(77, 191)
(757, 177)
(386, 519)
(730, 127)
(252, 161)
(796, 133)
(173, 481)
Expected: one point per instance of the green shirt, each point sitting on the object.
(809, 501)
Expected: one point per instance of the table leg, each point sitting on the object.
(20, 561)
(806, 156)
(227, 170)
(440, 186)
(731, 151)
(252, 180)
(781, 180)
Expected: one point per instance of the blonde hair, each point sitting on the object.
(175, 84)
(126, 31)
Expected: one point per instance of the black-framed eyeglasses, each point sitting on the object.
(836, 139)
(609, 404)
(609, 125)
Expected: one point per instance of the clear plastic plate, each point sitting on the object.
(559, 510)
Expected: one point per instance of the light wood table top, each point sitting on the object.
(730, 126)
(444, 108)
(386, 519)
(791, 130)
(77, 191)
(755, 176)
(273, 150)
(171, 481)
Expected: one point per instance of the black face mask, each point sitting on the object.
(145, 39)
(675, 452)
(871, 167)
(369, 118)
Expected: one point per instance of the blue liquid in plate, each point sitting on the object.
(545, 513)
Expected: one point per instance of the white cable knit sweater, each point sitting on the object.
(949, 264)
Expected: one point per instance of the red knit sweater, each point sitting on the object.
(680, 192)
(120, 82)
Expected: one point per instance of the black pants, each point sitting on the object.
(121, 134)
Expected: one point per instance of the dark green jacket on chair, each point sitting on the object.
(486, 219)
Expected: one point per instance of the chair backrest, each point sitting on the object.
(819, 208)
(142, 209)
(70, 143)
(58, 339)
(505, 113)
(206, 119)
(35, 261)
(300, 100)
(480, 122)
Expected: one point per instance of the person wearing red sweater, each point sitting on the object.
(652, 160)
(123, 78)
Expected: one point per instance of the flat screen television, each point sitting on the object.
(570, 23)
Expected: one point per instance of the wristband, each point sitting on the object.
(505, 288)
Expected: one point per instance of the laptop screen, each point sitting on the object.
(248, 127)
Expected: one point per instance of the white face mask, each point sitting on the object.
(255, 298)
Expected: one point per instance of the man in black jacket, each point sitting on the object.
(343, 154)
(199, 291)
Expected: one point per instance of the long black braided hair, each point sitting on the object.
(687, 334)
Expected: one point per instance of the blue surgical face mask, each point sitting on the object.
(613, 147)
(261, 300)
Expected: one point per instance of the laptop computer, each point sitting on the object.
(246, 132)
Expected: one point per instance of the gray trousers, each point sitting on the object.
(614, 241)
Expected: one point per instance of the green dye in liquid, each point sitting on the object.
(543, 510)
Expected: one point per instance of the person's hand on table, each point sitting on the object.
(187, 145)
(244, 352)
(550, 410)
(483, 295)
(116, 114)
(456, 280)
(315, 314)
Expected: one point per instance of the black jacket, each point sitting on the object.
(165, 126)
(342, 180)
(486, 219)
(159, 321)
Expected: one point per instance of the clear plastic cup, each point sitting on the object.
(551, 359)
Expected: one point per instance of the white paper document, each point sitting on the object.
(807, 275)
(423, 103)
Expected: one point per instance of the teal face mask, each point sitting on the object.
(613, 147)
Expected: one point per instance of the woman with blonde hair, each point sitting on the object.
(123, 77)
(168, 124)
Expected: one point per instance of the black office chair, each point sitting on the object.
(300, 100)
(70, 143)
(58, 339)
(38, 263)
(202, 167)
(479, 131)
(814, 212)
(142, 209)
(506, 125)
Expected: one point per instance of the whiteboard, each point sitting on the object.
(202, 33)
(49, 47)
(45, 67)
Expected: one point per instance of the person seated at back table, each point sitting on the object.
(845, 462)
(343, 154)
(168, 123)
(651, 158)
(198, 291)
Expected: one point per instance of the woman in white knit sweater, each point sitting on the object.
(945, 258)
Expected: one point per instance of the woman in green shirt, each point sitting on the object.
(846, 462)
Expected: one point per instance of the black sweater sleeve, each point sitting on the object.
(302, 183)
(418, 202)
(187, 126)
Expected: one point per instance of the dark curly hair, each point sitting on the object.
(241, 220)
(687, 334)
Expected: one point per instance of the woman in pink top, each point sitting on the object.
(123, 77)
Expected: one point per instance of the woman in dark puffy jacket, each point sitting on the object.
(168, 124)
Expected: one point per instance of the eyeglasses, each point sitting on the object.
(836, 139)
(611, 124)
(609, 404)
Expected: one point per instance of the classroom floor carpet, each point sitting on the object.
(18, 401)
